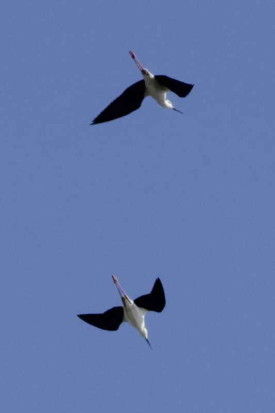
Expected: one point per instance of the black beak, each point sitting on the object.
(148, 342)
(178, 110)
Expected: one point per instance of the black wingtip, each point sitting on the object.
(189, 87)
(155, 300)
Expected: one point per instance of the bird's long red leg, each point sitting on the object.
(137, 62)
(120, 289)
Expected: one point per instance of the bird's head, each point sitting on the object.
(169, 105)
(144, 333)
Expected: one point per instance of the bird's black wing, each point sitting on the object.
(126, 103)
(155, 301)
(180, 88)
(110, 320)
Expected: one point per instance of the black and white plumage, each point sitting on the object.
(131, 99)
(132, 311)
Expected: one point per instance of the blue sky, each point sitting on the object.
(186, 198)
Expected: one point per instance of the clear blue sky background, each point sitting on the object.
(187, 198)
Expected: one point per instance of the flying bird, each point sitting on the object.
(132, 311)
(131, 99)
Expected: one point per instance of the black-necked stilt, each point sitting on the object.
(132, 311)
(131, 99)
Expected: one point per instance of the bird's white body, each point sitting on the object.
(135, 315)
(155, 90)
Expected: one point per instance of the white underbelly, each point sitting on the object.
(154, 90)
(134, 315)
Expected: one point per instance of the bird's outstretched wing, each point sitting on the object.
(180, 88)
(126, 103)
(110, 320)
(155, 301)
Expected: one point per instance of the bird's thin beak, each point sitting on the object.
(178, 110)
(137, 62)
(149, 344)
